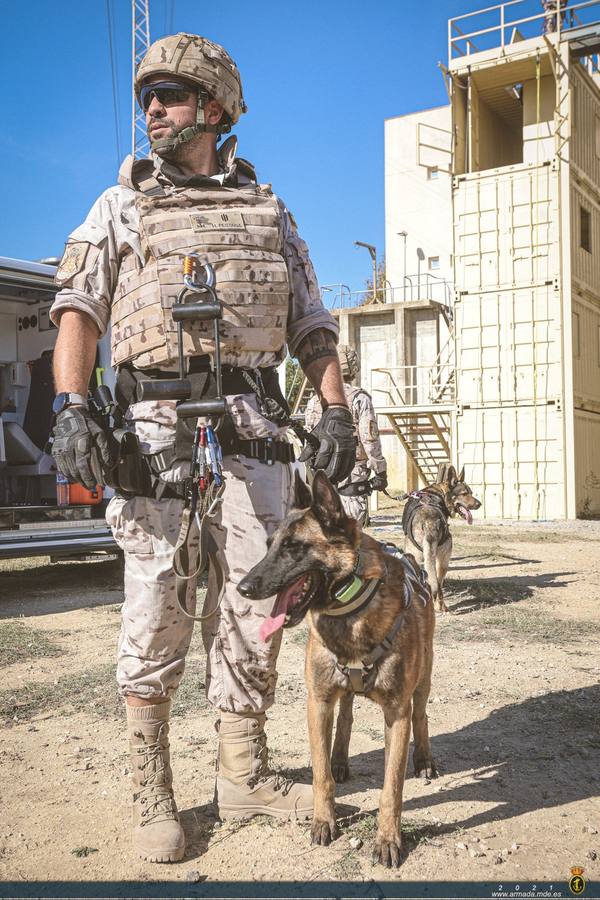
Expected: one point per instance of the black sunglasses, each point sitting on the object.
(166, 92)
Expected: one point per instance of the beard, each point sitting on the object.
(164, 146)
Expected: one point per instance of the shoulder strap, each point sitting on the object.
(138, 174)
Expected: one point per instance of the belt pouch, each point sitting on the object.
(133, 471)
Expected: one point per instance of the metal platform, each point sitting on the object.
(75, 537)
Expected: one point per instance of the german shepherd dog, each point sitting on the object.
(367, 607)
(425, 524)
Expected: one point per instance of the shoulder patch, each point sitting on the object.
(72, 261)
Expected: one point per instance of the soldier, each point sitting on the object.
(552, 9)
(369, 457)
(122, 268)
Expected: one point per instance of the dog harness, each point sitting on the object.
(354, 595)
(417, 500)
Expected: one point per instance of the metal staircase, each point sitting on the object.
(418, 402)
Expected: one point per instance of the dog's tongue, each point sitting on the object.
(286, 599)
(466, 513)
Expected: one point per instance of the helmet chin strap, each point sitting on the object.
(167, 147)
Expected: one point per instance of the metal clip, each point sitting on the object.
(190, 266)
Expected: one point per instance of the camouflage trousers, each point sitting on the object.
(357, 507)
(155, 634)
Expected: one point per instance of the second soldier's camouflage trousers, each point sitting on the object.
(357, 507)
(155, 633)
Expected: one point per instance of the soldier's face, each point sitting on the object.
(167, 121)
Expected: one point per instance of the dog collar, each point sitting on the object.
(354, 592)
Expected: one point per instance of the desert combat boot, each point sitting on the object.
(245, 785)
(157, 834)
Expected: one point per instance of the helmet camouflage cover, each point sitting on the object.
(349, 363)
(197, 60)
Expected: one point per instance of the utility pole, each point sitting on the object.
(140, 41)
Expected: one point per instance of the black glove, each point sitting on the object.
(379, 482)
(80, 447)
(336, 453)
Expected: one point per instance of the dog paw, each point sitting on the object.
(323, 833)
(340, 771)
(425, 767)
(388, 853)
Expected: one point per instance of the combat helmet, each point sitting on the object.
(201, 62)
(349, 363)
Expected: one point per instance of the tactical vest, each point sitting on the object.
(238, 229)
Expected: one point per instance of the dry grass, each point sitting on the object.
(18, 642)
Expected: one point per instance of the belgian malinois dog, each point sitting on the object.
(425, 524)
(371, 630)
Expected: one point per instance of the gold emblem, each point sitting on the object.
(577, 883)
(72, 261)
(217, 221)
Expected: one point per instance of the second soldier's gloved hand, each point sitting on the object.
(336, 451)
(80, 447)
(379, 482)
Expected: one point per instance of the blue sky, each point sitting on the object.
(319, 79)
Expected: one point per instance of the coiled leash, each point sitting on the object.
(206, 482)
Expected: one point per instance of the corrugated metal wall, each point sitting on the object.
(585, 265)
(587, 463)
(509, 427)
(585, 272)
(584, 127)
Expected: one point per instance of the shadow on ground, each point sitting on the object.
(54, 588)
(489, 592)
(526, 756)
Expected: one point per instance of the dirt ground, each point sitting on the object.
(513, 716)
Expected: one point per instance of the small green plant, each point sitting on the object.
(83, 851)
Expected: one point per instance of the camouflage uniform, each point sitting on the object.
(369, 456)
(155, 634)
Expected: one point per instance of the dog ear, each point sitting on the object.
(461, 475)
(451, 476)
(302, 494)
(441, 473)
(327, 505)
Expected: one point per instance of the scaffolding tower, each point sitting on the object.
(140, 42)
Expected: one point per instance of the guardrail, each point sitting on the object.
(416, 288)
(497, 26)
(413, 385)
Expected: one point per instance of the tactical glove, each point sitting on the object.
(80, 447)
(336, 453)
(379, 482)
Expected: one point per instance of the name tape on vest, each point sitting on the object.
(217, 221)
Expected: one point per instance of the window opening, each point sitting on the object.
(585, 229)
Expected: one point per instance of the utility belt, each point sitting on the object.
(138, 473)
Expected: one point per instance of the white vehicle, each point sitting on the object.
(31, 521)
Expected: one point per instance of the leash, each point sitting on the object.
(206, 481)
